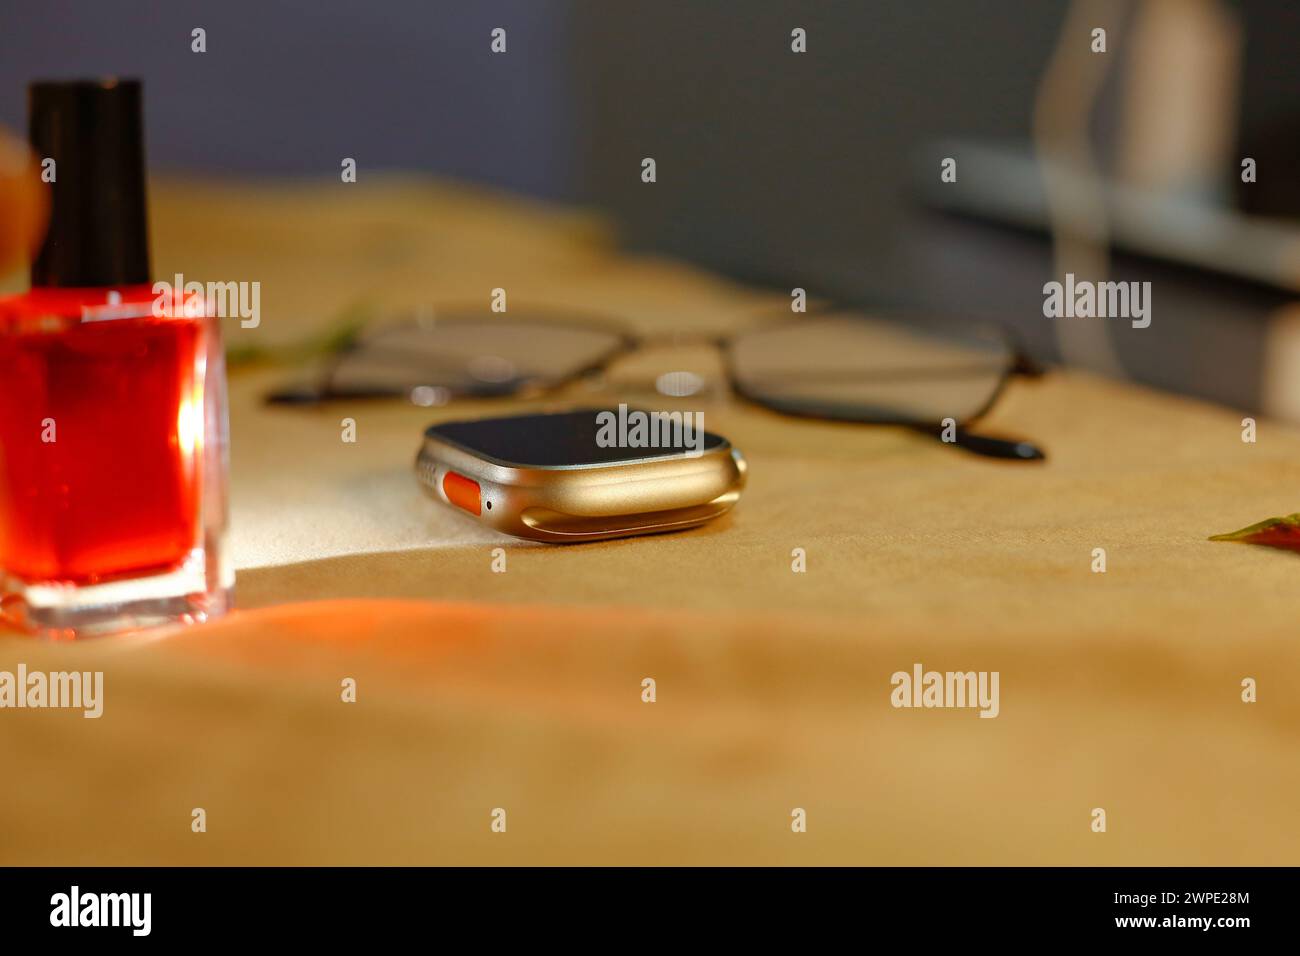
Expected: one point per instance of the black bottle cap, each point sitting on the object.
(94, 132)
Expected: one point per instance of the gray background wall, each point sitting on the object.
(772, 163)
(292, 86)
(758, 148)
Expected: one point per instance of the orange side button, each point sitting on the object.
(462, 492)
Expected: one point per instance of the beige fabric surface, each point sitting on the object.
(522, 690)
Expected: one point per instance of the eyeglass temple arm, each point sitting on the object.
(1024, 365)
(986, 445)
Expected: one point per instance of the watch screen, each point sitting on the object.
(592, 436)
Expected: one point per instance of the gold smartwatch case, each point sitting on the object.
(571, 503)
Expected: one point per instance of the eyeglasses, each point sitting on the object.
(831, 363)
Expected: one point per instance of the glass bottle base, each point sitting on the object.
(65, 611)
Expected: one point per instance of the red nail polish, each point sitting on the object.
(113, 435)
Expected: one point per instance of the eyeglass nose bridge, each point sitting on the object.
(716, 384)
(717, 340)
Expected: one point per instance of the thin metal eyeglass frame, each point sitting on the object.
(1019, 364)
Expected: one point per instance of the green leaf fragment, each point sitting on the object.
(1272, 532)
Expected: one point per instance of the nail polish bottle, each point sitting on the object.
(113, 433)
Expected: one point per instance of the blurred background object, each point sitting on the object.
(785, 168)
(24, 203)
(807, 169)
